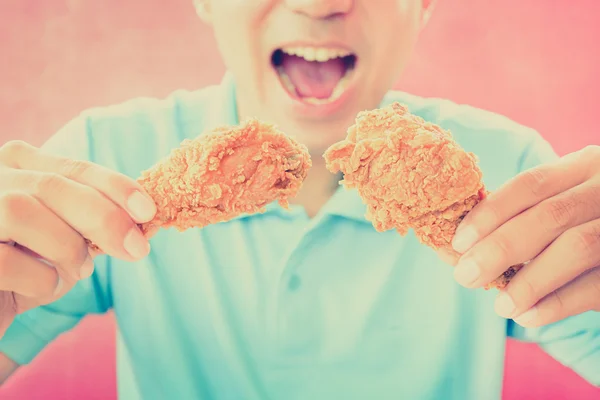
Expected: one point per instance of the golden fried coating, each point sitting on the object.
(411, 174)
(222, 174)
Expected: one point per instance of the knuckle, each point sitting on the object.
(558, 213)
(113, 219)
(13, 147)
(73, 256)
(50, 182)
(523, 291)
(594, 196)
(536, 180)
(74, 168)
(15, 207)
(558, 306)
(592, 152)
(586, 242)
(502, 249)
(121, 183)
(590, 155)
(493, 214)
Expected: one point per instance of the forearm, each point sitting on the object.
(7, 367)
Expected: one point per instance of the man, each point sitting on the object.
(312, 304)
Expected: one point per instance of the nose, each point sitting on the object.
(321, 9)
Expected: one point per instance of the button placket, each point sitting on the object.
(290, 284)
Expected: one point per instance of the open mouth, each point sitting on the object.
(314, 75)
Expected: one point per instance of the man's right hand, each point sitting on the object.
(48, 207)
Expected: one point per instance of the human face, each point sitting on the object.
(270, 47)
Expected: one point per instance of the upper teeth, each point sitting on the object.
(315, 53)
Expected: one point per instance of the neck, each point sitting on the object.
(317, 188)
(319, 185)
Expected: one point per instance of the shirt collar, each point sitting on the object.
(230, 108)
(346, 203)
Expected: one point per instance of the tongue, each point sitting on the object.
(312, 78)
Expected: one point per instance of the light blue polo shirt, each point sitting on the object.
(281, 306)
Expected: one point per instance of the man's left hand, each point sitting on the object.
(548, 216)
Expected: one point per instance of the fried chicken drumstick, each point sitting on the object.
(222, 174)
(411, 174)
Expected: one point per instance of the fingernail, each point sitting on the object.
(136, 244)
(504, 306)
(59, 286)
(87, 269)
(464, 239)
(466, 272)
(142, 208)
(527, 317)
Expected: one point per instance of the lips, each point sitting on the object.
(314, 75)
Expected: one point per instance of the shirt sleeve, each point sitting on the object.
(31, 331)
(574, 341)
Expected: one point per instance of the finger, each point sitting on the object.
(25, 220)
(122, 190)
(579, 296)
(91, 214)
(572, 254)
(448, 256)
(520, 193)
(25, 275)
(509, 245)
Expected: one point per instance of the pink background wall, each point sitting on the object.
(535, 61)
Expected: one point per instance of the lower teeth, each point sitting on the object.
(337, 91)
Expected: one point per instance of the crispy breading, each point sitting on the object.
(411, 174)
(221, 174)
